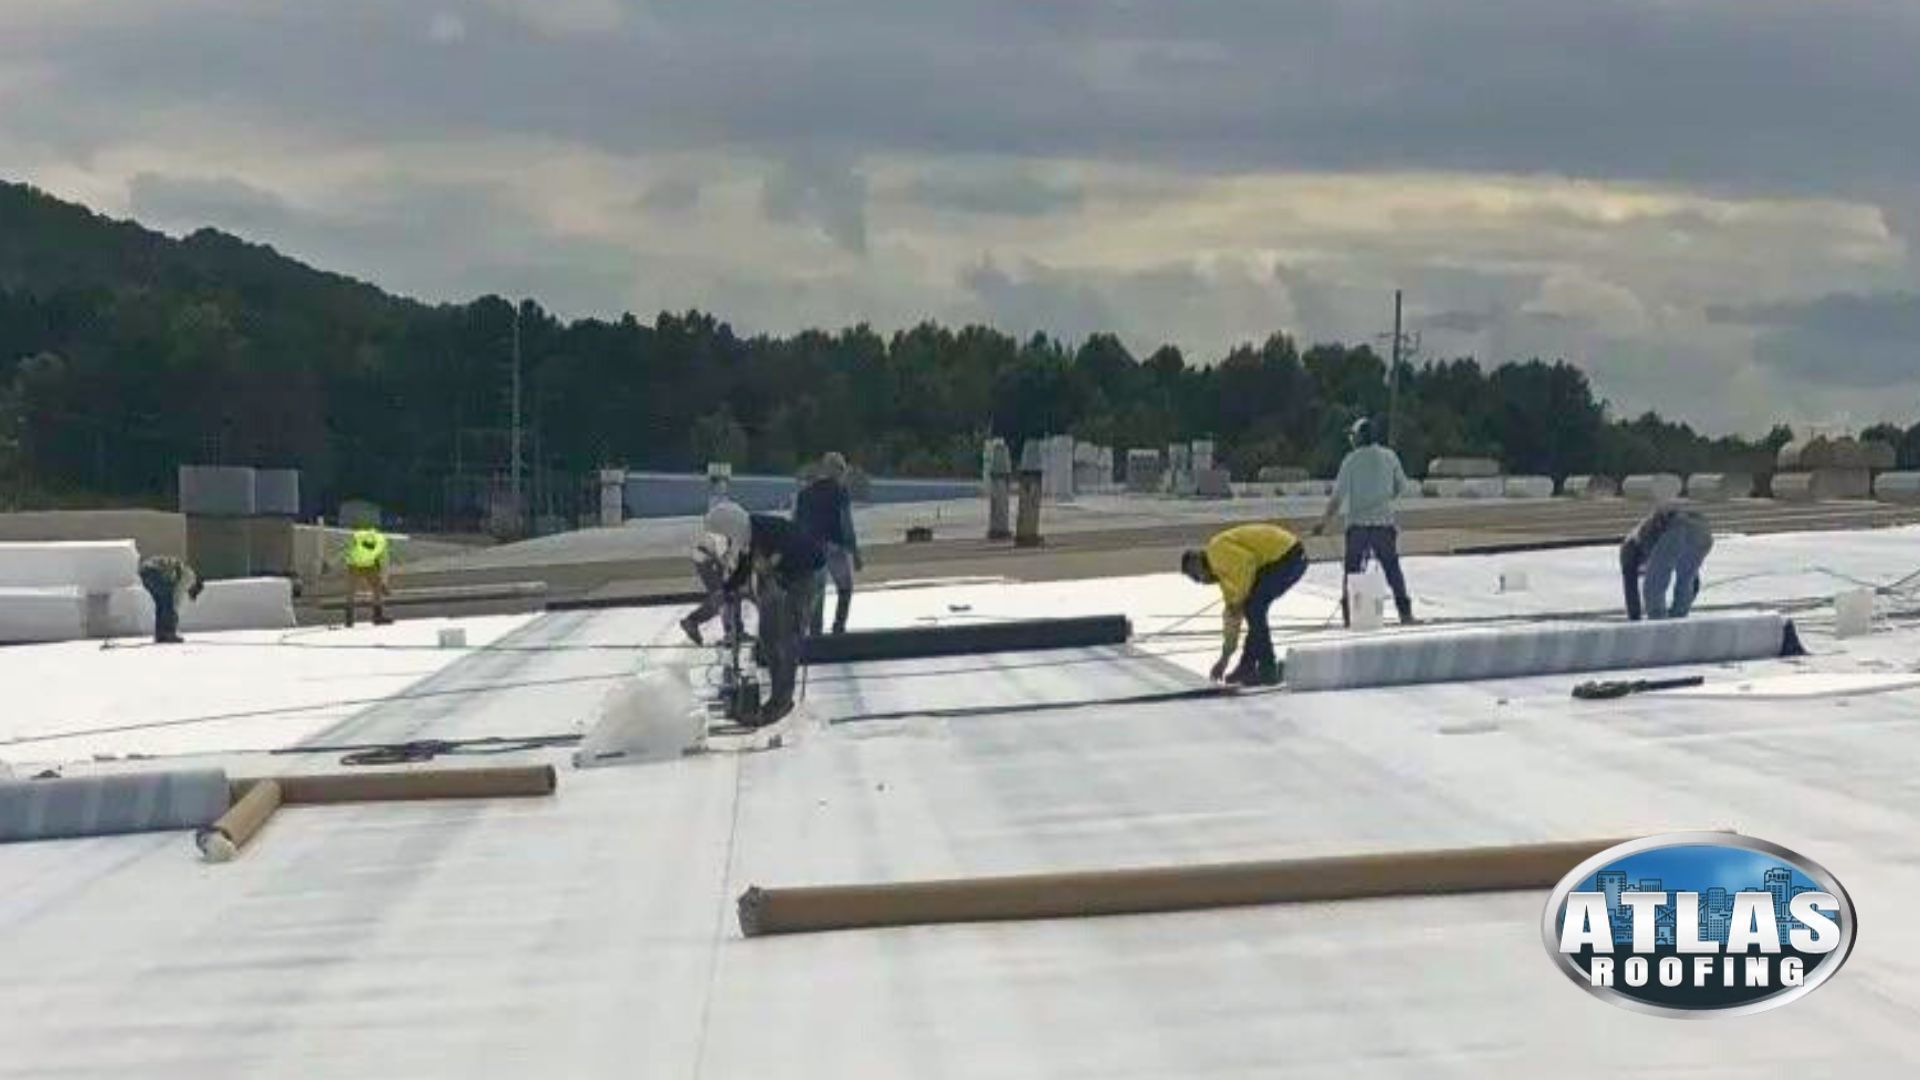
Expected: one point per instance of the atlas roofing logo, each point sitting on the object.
(1698, 924)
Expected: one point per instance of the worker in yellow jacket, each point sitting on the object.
(367, 560)
(1253, 565)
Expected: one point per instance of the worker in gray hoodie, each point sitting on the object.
(1666, 548)
(1370, 478)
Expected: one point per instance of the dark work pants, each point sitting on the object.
(714, 580)
(166, 605)
(1383, 543)
(784, 612)
(1272, 582)
(839, 569)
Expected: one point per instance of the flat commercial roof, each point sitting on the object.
(593, 933)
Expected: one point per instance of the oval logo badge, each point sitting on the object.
(1699, 924)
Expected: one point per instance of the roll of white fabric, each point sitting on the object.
(112, 804)
(1545, 649)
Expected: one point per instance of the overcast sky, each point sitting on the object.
(1712, 205)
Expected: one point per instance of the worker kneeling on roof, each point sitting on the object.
(1253, 565)
(1666, 548)
(779, 561)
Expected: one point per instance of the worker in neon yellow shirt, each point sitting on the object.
(1253, 565)
(367, 560)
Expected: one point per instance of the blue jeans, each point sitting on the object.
(1272, 582)
(839, 569)
(1675, 561)
(1383, 543)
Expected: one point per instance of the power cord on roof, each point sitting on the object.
(416, 750)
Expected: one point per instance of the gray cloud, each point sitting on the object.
(1704, 92)
(1013, 192)
(830, 195)
(888, 111)
(1861, 340)
(672, 195)
(1461, 322)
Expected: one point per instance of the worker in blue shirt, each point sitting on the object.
(1666, 548)
(824, 511)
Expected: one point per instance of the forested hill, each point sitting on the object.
(124, 352)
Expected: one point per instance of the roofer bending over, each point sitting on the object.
(1253, 565)
(824, 511)
(779, 561)
(1370, 478)
(1667, 547)
(166, 579)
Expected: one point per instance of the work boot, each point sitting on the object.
(1406, 612)
(1269, 673)
(771, 713)
(349, 616)
(840, 613)
(692, 630)
(380, 617)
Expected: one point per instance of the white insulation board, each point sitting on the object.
(238, 604)
(89, 565)
(41, 615)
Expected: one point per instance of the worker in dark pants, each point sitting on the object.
(1370, 478)
(1253, 565)
(778, 562)
(824, 511)
(1666, 548)
(167, 579)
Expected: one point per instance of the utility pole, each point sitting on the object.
(519, 511)
(1393, 381)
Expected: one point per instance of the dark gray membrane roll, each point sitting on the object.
(112, 804)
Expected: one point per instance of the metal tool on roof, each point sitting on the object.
(1619, 688)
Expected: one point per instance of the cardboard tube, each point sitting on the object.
(223, 839)
(1153, 889)
(492, 783)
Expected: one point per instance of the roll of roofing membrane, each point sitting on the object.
(223, 839)
(915, 642)
(112, 804)
(1539, 649)
(1157, 889)
(491, 783)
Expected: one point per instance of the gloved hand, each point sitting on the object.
(198, 588)
(858, 562)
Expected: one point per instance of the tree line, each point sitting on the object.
(124, 353)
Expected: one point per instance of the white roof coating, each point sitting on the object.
(592, 933)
